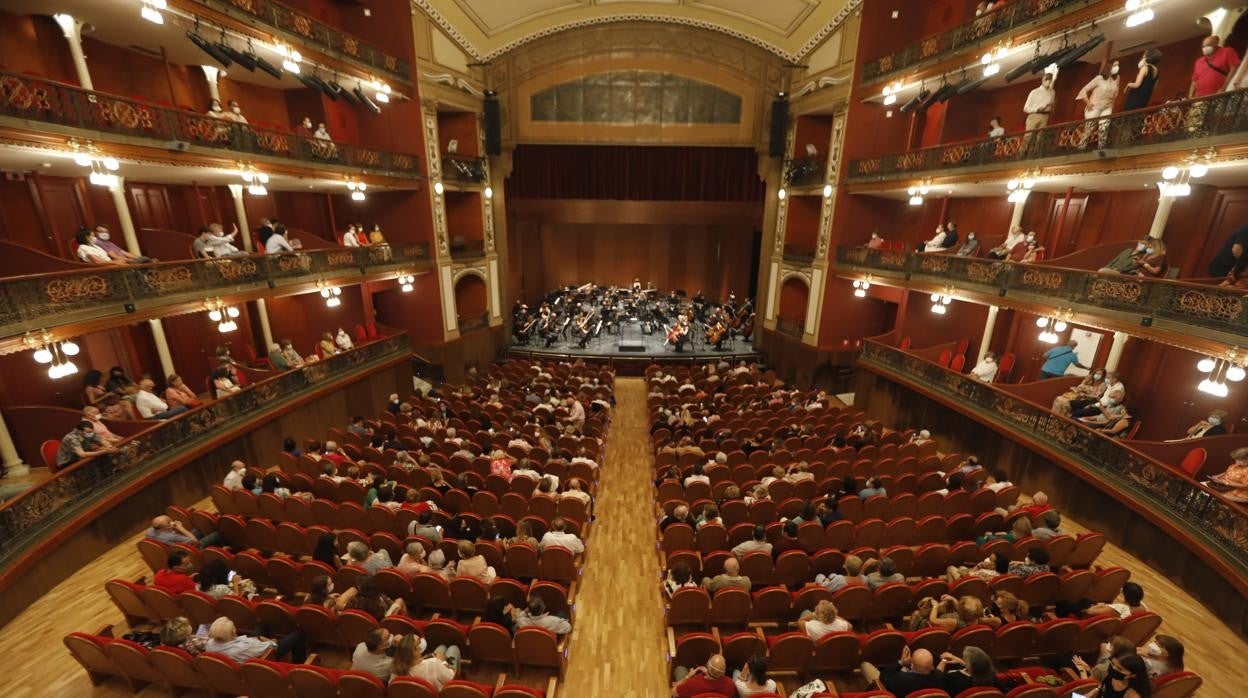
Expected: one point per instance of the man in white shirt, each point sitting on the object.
(212, 242)
(575, 492)
(1012, 238)
(986, 369)
(757, 543)
(558, 536)
(937, 243)
(234, 478)
(1039, 104)
(583, 457)
(152, 407)
(576, 411)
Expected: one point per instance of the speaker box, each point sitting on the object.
(493, 125)
(779, 126)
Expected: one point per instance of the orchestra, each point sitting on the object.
(576, 316)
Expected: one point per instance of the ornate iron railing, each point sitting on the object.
(463, 168)
(805, 172)
(1216, 308)
(972, 33)
(799, 254)
(34, 513)
(468, 249)
(315, 32)
(1186, 122)
(27, 97)
(1199, 511)
(47, 300)
(792, 328)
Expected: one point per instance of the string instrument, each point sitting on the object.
(582, 325)
(747, 325)
(529, 327)
(716, 332)
(677, 332)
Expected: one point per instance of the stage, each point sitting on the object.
(631, 345)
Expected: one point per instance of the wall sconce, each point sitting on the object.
(1176, 179)
(1020, 187)
(827, 191)
(357, 189)
(102, 166)
(489, 192)
(1218, 371)
(332, 296)
(1052, 327)
(222, 314)
(941, 300)
(861, 286)
(781, 193)
(53, 353)
(918, 191)
(438, 188)
(1141, 13)
(406, 283)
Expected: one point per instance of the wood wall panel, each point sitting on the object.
(470, 296)
(303, 318)
(791, 305)
(802, 221)
(20, 218)
(404, 216)
(24, 382)
(418, 313)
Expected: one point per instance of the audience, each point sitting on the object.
(703, 680)
(751, 679)
(152, 407)
(80, 443)
(986, 369)
(1233, 482)
(371, 656)
(1012, 239)
(90, 252)
(1213, 70)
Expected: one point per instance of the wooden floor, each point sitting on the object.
(618, 647)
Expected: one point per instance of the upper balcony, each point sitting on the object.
(464, 169)
(805, 172)
(105, 117)
(1216, 120)
(1011, 19)
(1182, 313)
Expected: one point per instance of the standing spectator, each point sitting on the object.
(1039, 104)
(1140, 90)
(1098, 102)
(1213, 70)
(1058, 359)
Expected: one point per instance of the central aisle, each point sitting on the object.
(617, 646)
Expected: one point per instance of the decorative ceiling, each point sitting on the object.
(486, 29)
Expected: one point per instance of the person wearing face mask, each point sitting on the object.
(1234, 480)
(1126, 260)
(1019, 251)
(235, 113)
(1039, 104)
(1032, 253)
(969, 247)
(1098, 101)
(102, 241)
(91, 253)
(305, 127)
(937, 243)
(986, 369)
(1212, 72)
(1126, 677)
(351, 238)
(995, 129)
(214, 109)
(1164, 655)
(1115, 392)
(1089, 390)
(1152, 263)
(1012, 238)
(1140, 90)
(1213, 425)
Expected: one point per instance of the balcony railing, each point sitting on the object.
(792, 328)
(472, 323)
(315, 32)
(799, 254)
(36, 99)
(48, 300)
(463, 168)
(805, 172)
(972, 33)
(467, 249)
(1222, 310)
(1200, 512)
(1185, 122)
(71, 491)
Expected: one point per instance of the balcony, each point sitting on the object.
(472, 323)
(790, 328)
(1134, 473)
(47, 102)
(1186, 309)
(466, 250)
(805, 172)
(799, 254)
(970, 34)
(315, 33)
(74, 492)
(462, 168)
(1187, 124)
(41, 301)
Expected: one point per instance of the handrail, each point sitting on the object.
(1217, 308)
(467, 249)
(463, 168)
(1221, 114)
(34, 512)
(47, 101)
(1201, 512)
(56, 298)
(289, 20)
(805, 172)
(969, 33)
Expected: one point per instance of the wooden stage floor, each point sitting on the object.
(618, 646)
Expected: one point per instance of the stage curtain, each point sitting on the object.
(634, 173)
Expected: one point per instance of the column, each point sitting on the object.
(162, 346)
(13, 465)
(240, 212)
(262, 312)
(118, 191)
(989, 326)
(1164, 204)
(1115, 351)
(212, 72)
(72, 29)
(1016, 217)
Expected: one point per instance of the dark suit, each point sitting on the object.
(903, 682)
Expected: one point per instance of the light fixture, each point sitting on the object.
(406, 283)
(331, 294)
(918, 191)
(489, 192)
(827, 191)
(438, 188)
(781, 193)
(1019, 188)
(861, 286)
(942, 299)
(1052, 327)
(222, 314)
(150, 11)
(890, 93)
(254, 179)
(53, 353)
(381, 92)
(1219, 370)
(291, 58)
(1140, 11)
(357, 189)
(1176, 179)
(87, 154)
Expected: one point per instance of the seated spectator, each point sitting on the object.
(179, 394)
(1164, 655)
(756, 543)
(372, 562)
(91, 253)
(703, 680)
(413, 561)
(326, 345)
(472, 564)
(375, 236)
(217, 580)
(885, 572)
(730, 577)
(170, 531)
(922, 437)
(499, 612)
(679, 515)
(211, 242)
(969, 247)
(1052, 525)
(535, 614)
(876, 242)
(787, 540)
(999, 480)
(103, 242)
(874, 487)
(335, 455)
(234, 478)
(343, 340)
(1036, 562)
(80, 443)
(1005, 608)
(995, 129)
(937, 241)
(973, 669)
(1032, 253)
(558, 536)
(1127, 677)
(698, 475)
(276, 243)
(500, 464)
(351, 238)
(1131, 604)
(709, 515)
(358, 427)
(175, 578)
(986, 370)
(524, 535)
(751, 679)
(951, 614)
(1089, 390)
(152, 407)
(177, 632)
(437, 670)
(914, 672)
(322, 594)
(1012, 239)
(575, 490)
(293, 359)
(1020, 528)
(1232, 482)
(222, 384)
(1213, 425)
(852, 575)
(371, 656)
(822, 620)
(1117, 646)
(988, 568)
(376, 604)
(277, 359)
(678, 577)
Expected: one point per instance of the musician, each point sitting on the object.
(636, 285)
(717, 329)
(584, 327)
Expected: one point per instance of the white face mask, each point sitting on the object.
(102, 236)
(1153, 649)
(1215, 421)
(236, 110)
(1139, 247)
(1207, 50)
(1113, 70)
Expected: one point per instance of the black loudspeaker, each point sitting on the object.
(779, 125)
(493, 124)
